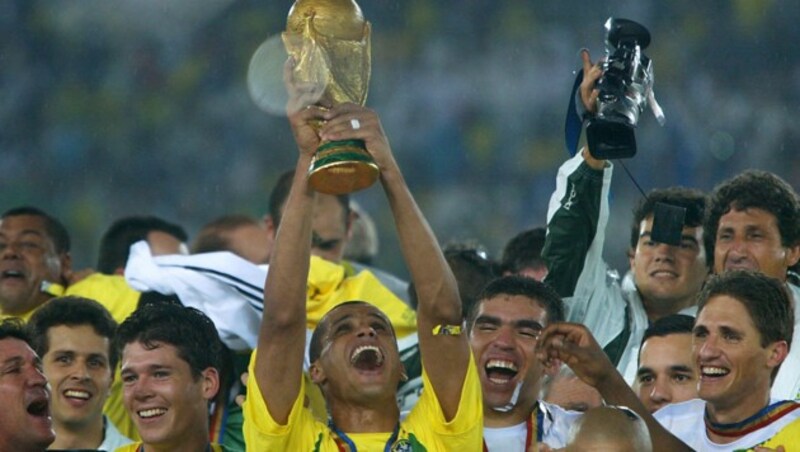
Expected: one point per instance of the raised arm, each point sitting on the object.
(578, 210)
(574, 345)
(445, 357)
(281, 340)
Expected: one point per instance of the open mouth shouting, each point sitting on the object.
(367, 358)
(39, 407)
(12, 274)
(500, 371)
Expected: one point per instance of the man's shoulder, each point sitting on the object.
(677, 412)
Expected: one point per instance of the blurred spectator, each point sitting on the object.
(163, 237)
(242, 235)
(522, 254)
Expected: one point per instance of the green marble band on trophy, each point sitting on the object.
(330, 43)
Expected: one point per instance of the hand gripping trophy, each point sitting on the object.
(329, 42)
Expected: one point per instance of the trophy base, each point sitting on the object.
(341, 167)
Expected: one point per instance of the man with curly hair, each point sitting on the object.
(753, 223)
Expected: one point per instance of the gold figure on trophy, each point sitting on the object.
(329, 42)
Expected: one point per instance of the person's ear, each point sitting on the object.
(631, 254)
(316, 373)
(269, 224)
(792, 255)
(65, 262)
(210, 382)
(777, 353)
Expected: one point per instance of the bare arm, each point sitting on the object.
(281, 340)
(574, 345)
(445, 358)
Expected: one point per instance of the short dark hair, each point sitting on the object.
(190, 331)
(117, 240)
(524, 250)
(315, 344)
(766, 300)
(670, 324)
(212, 235)
(280, 192)
(754, 189)
(72, 311)
(54, 228)
(473, 270)
(14, 328)
(538, 291)
(694, 201)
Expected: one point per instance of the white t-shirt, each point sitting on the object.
(686, 421)
(506, 439)
(555, 423)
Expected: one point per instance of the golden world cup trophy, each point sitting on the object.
(329, 42)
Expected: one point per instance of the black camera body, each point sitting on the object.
(625, 87)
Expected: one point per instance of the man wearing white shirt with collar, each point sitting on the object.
(740, 339)
(754, 223)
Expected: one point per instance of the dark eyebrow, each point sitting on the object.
(488, 319)
(699, 329)
(644, 370)
(680, 368)
(525, 323)
(27, 232)
(522, 323)
(688, 237)
(379, 317)
(341, 319)
(729, 330)
(17, 360)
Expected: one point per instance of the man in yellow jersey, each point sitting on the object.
(354, 354)
(171, 359)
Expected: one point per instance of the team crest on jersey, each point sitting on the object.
(402, 445)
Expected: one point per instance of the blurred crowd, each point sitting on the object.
(142, 107)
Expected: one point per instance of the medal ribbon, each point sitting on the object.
(531, 427)
(345, 444)
(765, 416)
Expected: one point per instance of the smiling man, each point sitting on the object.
(34, 256)
(170, 359)
(25, 423)
(74, 337)
(740, 339)
(665, 278)
(754, 224)
(503, 328)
